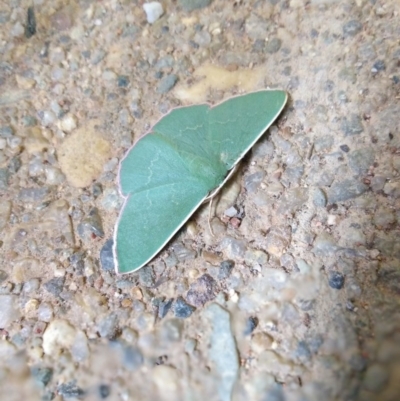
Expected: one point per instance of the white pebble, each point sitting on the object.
(68, 123)
(48, 118)
(8, 310)
(154, 10)
(54, 176)
(59, 335)
(45, 312)
(109, 75)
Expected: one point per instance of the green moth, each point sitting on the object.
(170, 171)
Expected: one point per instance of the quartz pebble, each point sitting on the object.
(59, 335)
(8, 310)
(154, 10)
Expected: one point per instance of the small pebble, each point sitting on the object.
(146, 276)
(41, 375)
(346, 189)
(204, 289)
(167, 83)
(336, 280)
(352, 28)
(378, 66)
(8, 310)
(273, 45)
(352, 125)
(106, 255)
(182, 253)
(104, 391)
(70, 390)
(45, 312)
(190, 5)
(251, 324)
(108, 326)
(91, 224)
(319, 198)
(132, 358)
(182, 309)
(225, 269)
(154, 10)
(123, 80)
(164, 307)
(55, 286)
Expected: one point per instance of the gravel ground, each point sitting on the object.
(296, 298)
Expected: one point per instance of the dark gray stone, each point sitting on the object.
(336, 280)
(97, 189)
(6, 132)
(352, 28)
(182, 309)
(104, 391)
(70, 390)
(77, 261)
(378, 66)
(4, 176)
(124, 284)
(30, 26)
(361, 160)
(344, 148)
(33, 194)
(303, 353)
(55, 286)
(204, 289)
(253, 181)
(3, 275)
(319, 198)
(123, 81)
(108, 327)
(146, 276)
(190, 5)
(91, 224)
(164, 307)
(182, 253)
(323, 143)
(346, 189)
(97, 56)
(352, 125)
(14, 165)
(225, 269)
(273, 45)
(106, 256)
(167, 83)
(41, 376)
(165, 62)
(251, 324)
